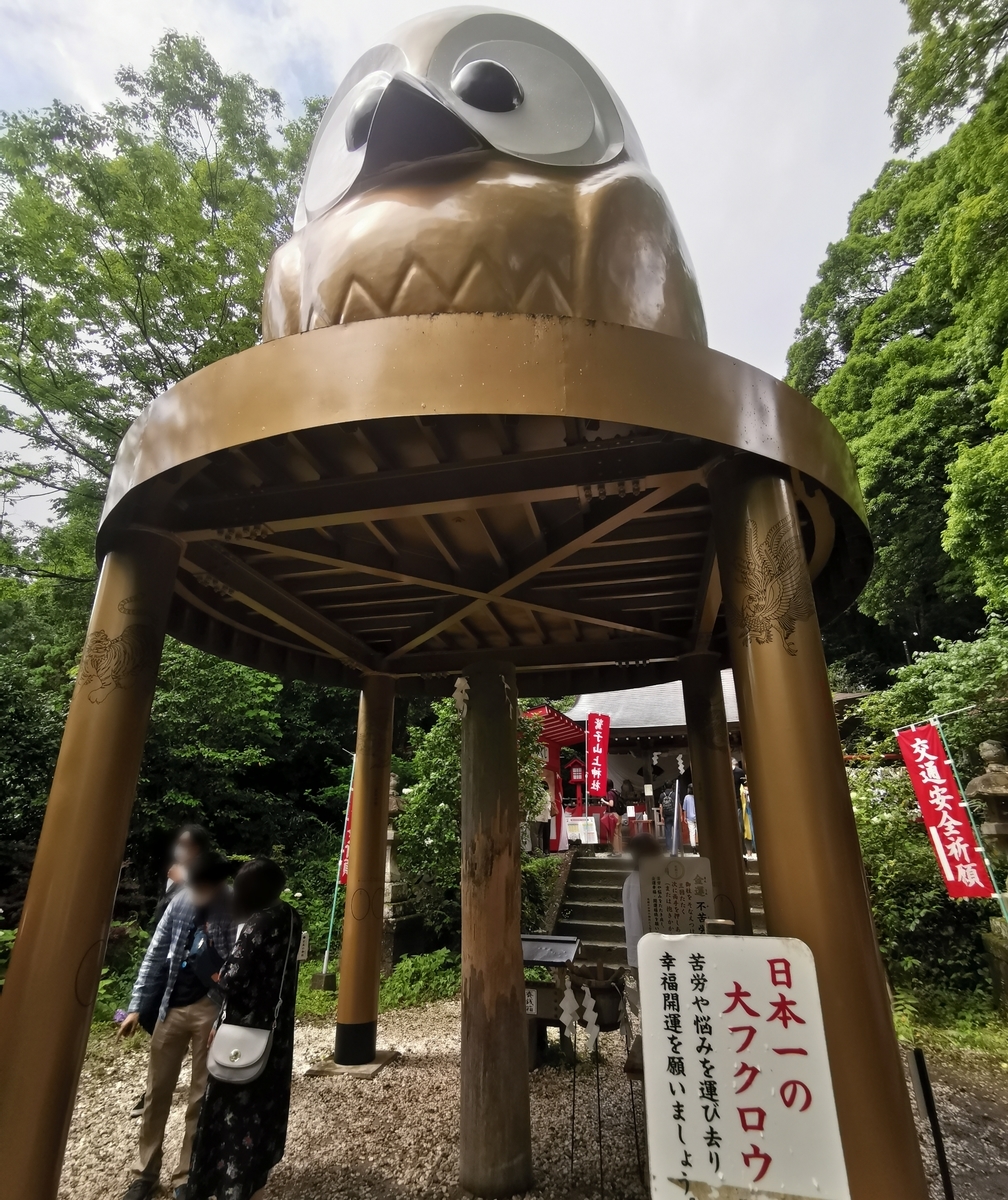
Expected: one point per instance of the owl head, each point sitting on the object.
(477, 162)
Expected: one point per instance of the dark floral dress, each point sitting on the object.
(243, 1127)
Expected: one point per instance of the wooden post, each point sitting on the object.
(495, 1145)
(360, 956)
(714, 787)
(52, 981)
(810, 861)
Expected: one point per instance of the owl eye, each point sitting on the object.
(358, 122)
(487, 85)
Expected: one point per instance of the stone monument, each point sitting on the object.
(402, 925)
(992, 788)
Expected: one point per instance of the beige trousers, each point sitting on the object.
(182, 1029)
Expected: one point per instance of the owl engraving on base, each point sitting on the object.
(477, 162)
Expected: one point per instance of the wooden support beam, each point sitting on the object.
(615, 513)
(264, 596)
(367, 444)
(495, 553)
(600, 651)
(380, 537)
(428, 431)
(438, 543)
(708, 599)
(495, 1139)
(557, 472)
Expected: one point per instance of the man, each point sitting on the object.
(195, 935)
(190, 842)
(642, 846)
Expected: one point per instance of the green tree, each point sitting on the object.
(977, 529)
(430, 823)
(133, 243)
(902, 343)
(927, 939)
(957, 676)
(957, 46)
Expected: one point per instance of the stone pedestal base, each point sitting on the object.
(368, 1070)
(402, 936)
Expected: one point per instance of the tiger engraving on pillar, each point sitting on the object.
(774, 574)
(109, 663)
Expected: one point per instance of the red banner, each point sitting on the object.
(344, 858)
(945, 817)
(597, 753)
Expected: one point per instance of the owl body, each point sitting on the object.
(411, 206)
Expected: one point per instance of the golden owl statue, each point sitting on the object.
(476, 162)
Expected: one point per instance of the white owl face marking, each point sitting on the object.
(462, 82)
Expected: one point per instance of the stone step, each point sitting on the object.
(588, 893)
(602, 862)
(610, 931)
(591, 910)
(612, 954)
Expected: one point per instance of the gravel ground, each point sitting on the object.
(397, 1136)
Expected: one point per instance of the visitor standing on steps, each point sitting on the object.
(642, 846)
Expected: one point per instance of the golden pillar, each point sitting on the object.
(52, 981)
(714, 787)
(810, 861)
(360, 956)
(495, 1144)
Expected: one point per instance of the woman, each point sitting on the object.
(609, 821)
(243, 1127)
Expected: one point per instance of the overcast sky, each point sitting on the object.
(763, 119)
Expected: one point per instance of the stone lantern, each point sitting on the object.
(992, 788)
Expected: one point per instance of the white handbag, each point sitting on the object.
(239, 1053)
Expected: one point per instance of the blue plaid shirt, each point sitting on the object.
(169, 943)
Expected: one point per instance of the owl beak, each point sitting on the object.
(411, 125)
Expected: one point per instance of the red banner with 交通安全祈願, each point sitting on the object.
(945, 817)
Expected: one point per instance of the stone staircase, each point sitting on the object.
(755, 890)
(592, 906)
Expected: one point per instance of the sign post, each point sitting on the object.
(677, 895)
(324, 982)
(736, 1075)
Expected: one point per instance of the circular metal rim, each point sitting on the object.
(475, 363)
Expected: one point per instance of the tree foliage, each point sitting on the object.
(902, 343)
(133, 243)
(430, 823)
(956, 47)
(959, 675)
(926, 938)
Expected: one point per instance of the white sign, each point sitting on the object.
(736, 1076)
(531, 1005)
(582, 829)
(677, 895)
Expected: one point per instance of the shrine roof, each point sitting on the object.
(657, 710)
(558, 729)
